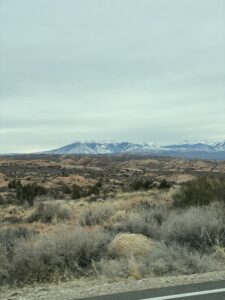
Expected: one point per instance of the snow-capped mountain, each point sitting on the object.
(198, 146)
(205, 150)
(101, 148)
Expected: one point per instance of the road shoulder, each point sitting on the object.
(86, 288)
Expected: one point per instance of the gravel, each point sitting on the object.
(86, 288)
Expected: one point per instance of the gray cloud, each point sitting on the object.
(110, 69)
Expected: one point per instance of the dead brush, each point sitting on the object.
(95, 214)
(57, 256)
(51, 212)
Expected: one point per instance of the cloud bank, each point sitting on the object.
(110, 69)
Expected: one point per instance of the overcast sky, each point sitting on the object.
(133, 70)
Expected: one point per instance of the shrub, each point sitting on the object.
(51, 211)
(12, 184)
(113, 268)
(141, 184)
(146, 222)
(175, 259)
(164, 184)
(135, 223)
(27, 193)
(95, 189)
(161, 260)
(196, 228)
(2, 200)
(66, 189)
(59, 255)
(92, 198)
(201, 191)
(10, 237)
(95, 214)
(76, 192)
(4, 266)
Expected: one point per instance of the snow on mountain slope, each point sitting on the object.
(201, 146)
(97, 148)
(189, 150)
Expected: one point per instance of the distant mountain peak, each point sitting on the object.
(206, 150)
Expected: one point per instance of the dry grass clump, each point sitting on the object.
(9, 240)
(175, 259)
(146, 222)
(60, 255)
(10, 237)
(51, 212)
(95, 214)
(196, 228)
(142, 199)
(129, 244)
(135, 223)
(13, 214)
(220, 252)
(4, 265)
(161, 260)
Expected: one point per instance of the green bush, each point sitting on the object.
(201, 191)
(95, 189)
(141, 184)
(76, 192)
(164, 184)
(28, 192)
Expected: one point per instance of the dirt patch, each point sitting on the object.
(180, 178)
(69, 180)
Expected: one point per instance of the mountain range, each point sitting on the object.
(201, 150)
